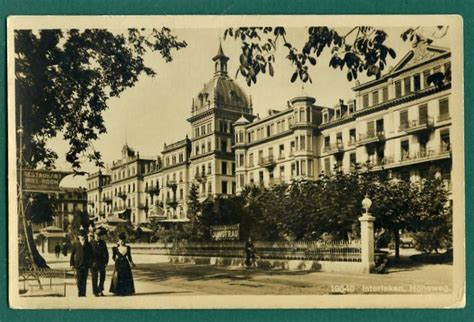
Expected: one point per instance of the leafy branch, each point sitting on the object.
(366, 52)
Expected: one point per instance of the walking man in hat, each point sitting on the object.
(100, 259)
(81, 259)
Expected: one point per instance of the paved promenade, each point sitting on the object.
(154, 277)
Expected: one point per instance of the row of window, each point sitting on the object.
(201, 130)
(339, 111)
(301, 142)
(122, 174)
(276, 127)
(225, 168)
(375, 127)
(297, 168)
(376, 155)
(174, 159)
(405, 86)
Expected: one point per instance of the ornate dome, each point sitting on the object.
(221, 90)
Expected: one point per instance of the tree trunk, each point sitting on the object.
(37, 258)
(396, 234)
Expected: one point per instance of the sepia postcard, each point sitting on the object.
(273, 161)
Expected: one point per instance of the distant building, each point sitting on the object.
(68, 202)
(398, 122)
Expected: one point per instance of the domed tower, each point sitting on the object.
(217, 106)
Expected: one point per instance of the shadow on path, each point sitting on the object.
(166, 271)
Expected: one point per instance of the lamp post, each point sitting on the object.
(367, 237)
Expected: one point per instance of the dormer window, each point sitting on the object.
(365, 101)
(338, 113)
(325, 117)
(375, 98)
(417, 82)
(385, 94)
(351, 107)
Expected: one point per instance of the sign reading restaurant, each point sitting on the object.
(42, 180)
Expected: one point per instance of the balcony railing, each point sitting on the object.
(417, 125)
(281, 157)
(107, 200)
(200, 177)
(444, 117)
(171, 183)
(122, 195)
(120, 208)
(371, 137)
(268, 161)
(278, 181)
(352, 141)
(142, 206)
(407, 157)
(334, 148)
(153, 189)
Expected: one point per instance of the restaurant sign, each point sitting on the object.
(42, 180)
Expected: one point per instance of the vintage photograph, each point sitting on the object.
(236, 161)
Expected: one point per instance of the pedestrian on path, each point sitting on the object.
(100, 259)
(57, 250)
(122, 278)
(64, 249)
(81, 258)
(249, 253)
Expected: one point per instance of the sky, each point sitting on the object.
(155, 110)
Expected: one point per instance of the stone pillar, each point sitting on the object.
(367, 242)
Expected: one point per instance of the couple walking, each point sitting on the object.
(93, 255)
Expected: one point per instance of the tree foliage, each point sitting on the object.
(360, 50)
(64, 79)
(331, 206)
(40, 208)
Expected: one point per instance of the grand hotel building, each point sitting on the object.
(398, 122)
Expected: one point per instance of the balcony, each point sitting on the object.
(278, 181)
(371, 138)
(352, 141)
(407, 158)
(122, 195)
(171, 183)
(443, 117)
(334, 148)
(119, 208)
(142, 206)
(267, 162)
(200, 177)
(107, 200)
(153, 190)
(416, 126)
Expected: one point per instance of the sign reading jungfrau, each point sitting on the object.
(42, 180)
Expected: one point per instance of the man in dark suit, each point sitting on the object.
(100, 259)
(81, 260)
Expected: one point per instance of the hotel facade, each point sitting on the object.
(399, 122)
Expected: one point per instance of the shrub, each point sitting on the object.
(434, 240)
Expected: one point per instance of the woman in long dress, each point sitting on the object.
(122, 278)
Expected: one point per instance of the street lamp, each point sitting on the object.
(366, 204)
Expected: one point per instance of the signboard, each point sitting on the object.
(42, 180)
(225, 232)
